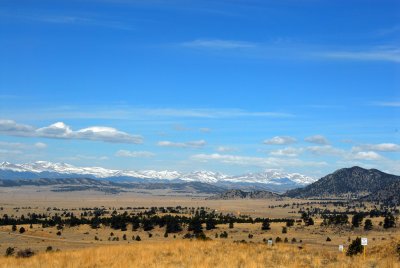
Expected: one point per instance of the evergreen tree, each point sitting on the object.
(357, 219)
(265, 225)
(368, 225)
(210, 224)
(355, 247)
(173, 225)
(147, 224)
(389, 221)
(195, 225)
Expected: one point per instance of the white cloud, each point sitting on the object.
(56, 130)
(381, 147)
(10, 126)
(225, 149)
(374, 54)
(22, 146)
(388, 104)
(132, 113)
(218, 44)
(107, 134)
(325, 150)
(189, 144)
(60, 130)
(41, 145)
(280, 140)
(318, 139)
(205, 129)
(134, 154)
(288, 151)
(255, 161)
(370, 155)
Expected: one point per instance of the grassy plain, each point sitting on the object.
(78, 248)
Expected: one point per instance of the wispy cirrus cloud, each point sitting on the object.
(60, 130)
(218, 44)
(134, 154)
(189, 144)
(70, 19)
(390, 54)
(388, 103)
(280, 140)
(226, 149)
(288, 151)
(133, 113)
(286, 49)
(326, 150)
(266, 162)
(381, 147)
(317, 139)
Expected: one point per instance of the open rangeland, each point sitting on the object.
(243, 245)
(206, 254)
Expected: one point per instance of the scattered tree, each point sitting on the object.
(368, 225)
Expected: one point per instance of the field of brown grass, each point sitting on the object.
(79, 248)
(206, 254)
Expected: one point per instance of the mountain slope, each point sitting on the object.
(355, 181)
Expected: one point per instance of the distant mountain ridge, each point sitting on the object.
(355, 181)
(80, 184)
(268, 180)
(239, 194)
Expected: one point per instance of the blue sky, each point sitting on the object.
(231, 86)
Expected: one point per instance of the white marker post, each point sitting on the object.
(364, 243)
(341, 248)
(269, 242)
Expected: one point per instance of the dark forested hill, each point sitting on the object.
(355, 181)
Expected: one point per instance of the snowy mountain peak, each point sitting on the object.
(271, 176)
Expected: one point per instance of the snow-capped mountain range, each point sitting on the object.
(43, 169)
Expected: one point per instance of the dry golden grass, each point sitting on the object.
(205, 254)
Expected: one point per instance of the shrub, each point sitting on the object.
(138, 238)
(278, 240)
(250, 236)
(284, 230)
(26, 253)
(21, 230)
(224, 234)
(328, 239)
(294, 240)
(10, 251)
(49, 249)
(59, 233)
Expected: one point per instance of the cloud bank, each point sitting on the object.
(60, 130)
